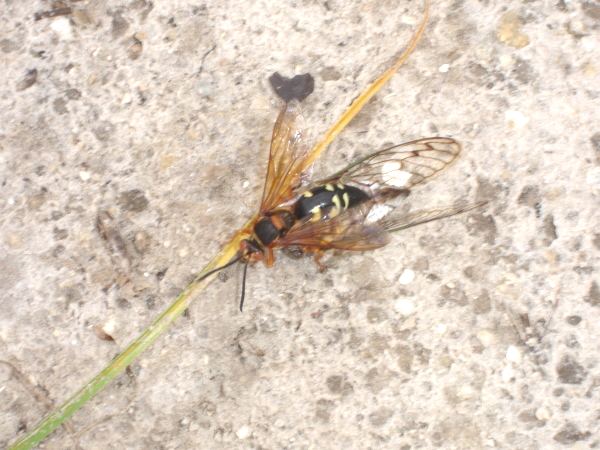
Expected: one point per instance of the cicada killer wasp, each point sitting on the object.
(348, 210)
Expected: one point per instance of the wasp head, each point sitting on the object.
(251, 250)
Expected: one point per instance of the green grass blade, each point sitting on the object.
(120, 363)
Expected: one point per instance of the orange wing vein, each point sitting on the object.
(286, 159)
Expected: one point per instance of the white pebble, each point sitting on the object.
(593, 176)
(85, 175)
(506, 61)
(407, 276)
(588, 43)
(543, 413)
(409, 20)
(516, 118)
(441, 328)
(486, 337)
(245, 184)
(490, 443)
(466, 392)
(244, 432)
(404, 306)
(62, 27)
(109, 327)
(513, 354)
(444, 68)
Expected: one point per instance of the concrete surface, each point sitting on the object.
(160, 113)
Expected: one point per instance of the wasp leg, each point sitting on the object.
(269, 257)
(317, 256)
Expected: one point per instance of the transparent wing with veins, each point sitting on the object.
(400, 167)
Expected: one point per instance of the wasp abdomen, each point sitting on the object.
(328, 201)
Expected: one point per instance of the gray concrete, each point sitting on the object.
(124, 107)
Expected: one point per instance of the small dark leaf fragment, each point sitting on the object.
(135, 49)
(119, 25)
(115, 243)
(133, 200)
(59, 10)
(570, 434)
(593, 296)
(28, 80)
(570, 371)
(550, 229)
(299, 87)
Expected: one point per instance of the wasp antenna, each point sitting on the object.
(224, 266)
(243, 287)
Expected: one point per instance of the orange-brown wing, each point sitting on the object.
(364, 227)
(287, 159)
(348, 231)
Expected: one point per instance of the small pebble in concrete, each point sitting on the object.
(62, 27)
(441, 328)
(516, 119)
(243, 432)
(444, 68)
(543, 414)
(28, 80)
(407, 276)
(486, 337)
(514, 355)
(404, 306)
